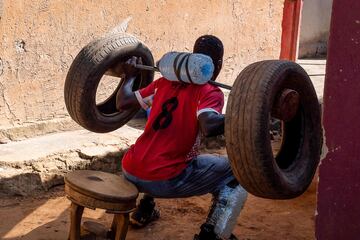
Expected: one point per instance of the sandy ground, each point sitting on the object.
(46, 217)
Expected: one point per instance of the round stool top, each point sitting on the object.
(101, 185)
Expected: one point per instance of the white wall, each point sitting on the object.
(315, 25)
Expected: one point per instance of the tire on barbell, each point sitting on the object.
(248, 142)
(86, 72)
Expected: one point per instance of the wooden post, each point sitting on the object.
(76, 212)
(290, 29)
(120, 225)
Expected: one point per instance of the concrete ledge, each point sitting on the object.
(40, 163)
(38, 128)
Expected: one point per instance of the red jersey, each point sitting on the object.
(162, 151)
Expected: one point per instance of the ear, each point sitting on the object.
(218, 69)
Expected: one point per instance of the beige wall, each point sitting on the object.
(40, 38)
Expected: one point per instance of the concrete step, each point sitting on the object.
(316, 69)
(40, 163)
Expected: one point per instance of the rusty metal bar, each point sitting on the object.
(155, 69)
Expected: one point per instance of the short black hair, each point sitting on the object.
(212, 47)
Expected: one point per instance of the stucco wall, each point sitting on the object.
(40, 38)
(315, 25)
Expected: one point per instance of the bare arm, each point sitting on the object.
(211, 124)
(125, 98)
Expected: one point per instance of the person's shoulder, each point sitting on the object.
(162, 81)
(210, 88)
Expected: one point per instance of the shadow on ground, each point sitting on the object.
(44, 191)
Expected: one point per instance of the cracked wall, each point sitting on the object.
(39, 40)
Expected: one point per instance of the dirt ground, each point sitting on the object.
(46, 217)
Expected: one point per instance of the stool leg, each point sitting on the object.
(120, 226)
(76, 212)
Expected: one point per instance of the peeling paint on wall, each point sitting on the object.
(325, 149)
(1, 67)
(1, 8)
(121, 28)
(44, 6)
(20, 46)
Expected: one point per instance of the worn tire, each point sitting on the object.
(86, 72)
(248, 143)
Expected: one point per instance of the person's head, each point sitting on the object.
(213, 47)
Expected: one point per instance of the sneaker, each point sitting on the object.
(207, 233)
(145, 213)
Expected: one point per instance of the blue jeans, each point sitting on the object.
(207, 173)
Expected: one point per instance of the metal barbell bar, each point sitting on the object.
(155, 69)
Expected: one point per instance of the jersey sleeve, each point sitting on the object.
(211, 99)
(145, 95)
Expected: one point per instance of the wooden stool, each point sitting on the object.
(95, 189)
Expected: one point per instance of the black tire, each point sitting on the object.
(86, 72)
(248, 141)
